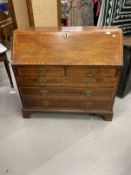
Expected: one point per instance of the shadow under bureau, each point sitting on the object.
(73, 69)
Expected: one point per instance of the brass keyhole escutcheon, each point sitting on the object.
(45, 103)
(89, 83)
(89, 72)
(40, 71)
(66, 35)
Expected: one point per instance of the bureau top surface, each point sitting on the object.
(68, 46)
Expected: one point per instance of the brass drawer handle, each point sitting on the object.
(44, 92)
(40, 71)
(42, 82)
(45, 103)
(89, 72)
(88, 93)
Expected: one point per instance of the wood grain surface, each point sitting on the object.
(74, 69)
(68, 46)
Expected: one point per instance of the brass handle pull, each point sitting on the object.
(89, 72)
(40, 71)
(44, 92)
(88, 93)
(45, 103)
(42, 82)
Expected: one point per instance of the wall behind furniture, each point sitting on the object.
(45, 13)
(21, 13)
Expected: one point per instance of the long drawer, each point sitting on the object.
(49, 103)
(68, 82)
(66, 91)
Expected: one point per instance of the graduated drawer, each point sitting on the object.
(40, 71)
(68, 82)
(67, 91)
(90, 71)
(56, 103)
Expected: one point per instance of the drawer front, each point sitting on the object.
(48, 103)
(91, 82)
(40, 81)
(67, 91)
(68, 82)
(90, 72)
(40, 70)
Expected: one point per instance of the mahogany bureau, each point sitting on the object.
(73, 69)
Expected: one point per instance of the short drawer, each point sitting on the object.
(40, 70)
(67, 82)
(90, 71)
(67, 91)
(76, 104)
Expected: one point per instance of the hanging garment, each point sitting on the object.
(75, 13)
(80, 13)
(97, 8)
(87, 13)
(98, 4)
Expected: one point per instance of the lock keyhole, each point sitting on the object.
(66, 35)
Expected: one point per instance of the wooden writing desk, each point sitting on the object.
(68, 69)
